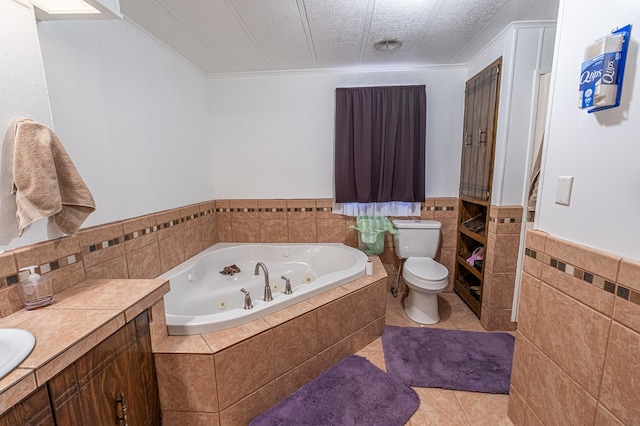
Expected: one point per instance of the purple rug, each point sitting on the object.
(352, 392)
(450, 359)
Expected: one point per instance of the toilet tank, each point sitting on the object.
(416, 238)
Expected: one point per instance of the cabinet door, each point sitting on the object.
(116, 394)
(467, 159)
(486, 131)
(63, 389)
(147, 379)
(113, 381)
(480, 116)
(33, 410)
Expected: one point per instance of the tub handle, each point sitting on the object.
(287, 285)
(247, 299)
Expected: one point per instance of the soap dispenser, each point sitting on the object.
(36, 291)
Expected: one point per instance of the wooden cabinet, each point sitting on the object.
(476, 174)
(33, 410)
(113, 384)
(478, 137)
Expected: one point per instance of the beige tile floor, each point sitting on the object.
(442, 407)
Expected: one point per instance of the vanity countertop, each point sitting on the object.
(79, 319)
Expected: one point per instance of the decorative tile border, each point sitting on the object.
(156, 228)
(437, 209)
(272, 209)
(308, 209)
(99, 246)
(505, 220)
(586, 276)
(45, 268)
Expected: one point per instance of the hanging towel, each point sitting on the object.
(45, 181)
(372, 230)
(371, 226)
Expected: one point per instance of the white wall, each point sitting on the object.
(273, 133)
(131, 114)
(600, 150)
(526, 49)
(23, 93)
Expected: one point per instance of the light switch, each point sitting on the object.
(563, 193)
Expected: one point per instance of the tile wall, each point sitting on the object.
(500, 263)
(147, 246)
(578, 338)
(142, 247)
(311, 220)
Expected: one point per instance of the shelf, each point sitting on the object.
(478, 236)
(461, 287)
(469, 268)
(479, 201)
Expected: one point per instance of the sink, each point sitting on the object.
(15, 346)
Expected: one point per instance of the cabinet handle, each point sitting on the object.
(123, 409)
(482, 136)
(468, 137)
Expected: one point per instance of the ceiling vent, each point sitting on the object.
(387, 44)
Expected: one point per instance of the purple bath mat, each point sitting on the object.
(352, 392)
(450, 359)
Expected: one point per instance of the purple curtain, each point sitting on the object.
(380, 144)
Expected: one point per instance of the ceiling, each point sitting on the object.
(238, 36)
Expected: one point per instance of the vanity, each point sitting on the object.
(92, 361)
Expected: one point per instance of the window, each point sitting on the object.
(380, 144)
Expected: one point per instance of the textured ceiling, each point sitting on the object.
(234, 36)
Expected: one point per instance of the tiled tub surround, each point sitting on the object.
(578, 338)
(503, 241)
(229, 377)
(81, 317)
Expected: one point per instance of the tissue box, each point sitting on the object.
(599, 72)
(602, 71)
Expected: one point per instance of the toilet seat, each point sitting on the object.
(425, 273)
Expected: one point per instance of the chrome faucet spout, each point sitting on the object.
(267, 288)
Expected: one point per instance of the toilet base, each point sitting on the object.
(422, 308)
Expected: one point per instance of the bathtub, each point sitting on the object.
(202, 299)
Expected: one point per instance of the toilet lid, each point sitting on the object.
(426, 268)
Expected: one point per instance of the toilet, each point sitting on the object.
(417, 243)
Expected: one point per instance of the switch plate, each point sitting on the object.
(563, 193)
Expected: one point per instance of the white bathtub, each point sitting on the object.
(203, 300)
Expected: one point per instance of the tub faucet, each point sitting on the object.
(287, 285)
(267, 287)
(247, 299)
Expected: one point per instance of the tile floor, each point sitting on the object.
(441, 407)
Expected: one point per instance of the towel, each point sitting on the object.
(371, 226)
(45, 181)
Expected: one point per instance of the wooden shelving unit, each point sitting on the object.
(476, 175)
(469, 278)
